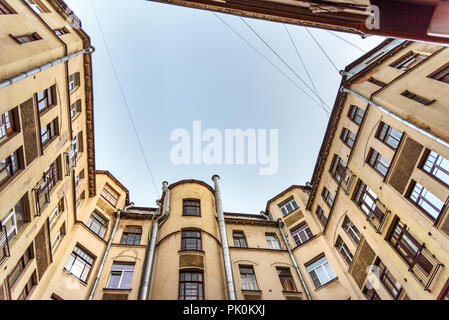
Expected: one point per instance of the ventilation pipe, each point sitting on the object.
(100, 269)
(151, 248)
(280, 225)
(31, 72)
(224, 240)
(383, 109)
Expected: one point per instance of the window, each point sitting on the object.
(78, 178)
(338, 169)
(378, 162)
(74, 81)
(97, 223)
(248, 278)
(286, 279)
(356, 114)
(47, 183)
(351, 230)
(321, 215)
(416, 98)
(191, 207)
(80, 199)
(5, 8)
(49, 131)
(425, 200)
(110, 194)
(272, 241)
(239, 239)
(408, 61)
(389, 135)
(55, 213)
(121, 276)
(341, 247)
(20, 266)
(320, 272)
(28, 287)
(15, 219)
(26, 38)
(191, 285)
(442, 74)
(75, 108)
(327, 197)
(46, 99)
(79, 264)
(347, 137)
(301, 233)
(404, 243)
(377, 82)
(37, 6)
(77, 145)
(58, 237)
(393, 287)
(8, 123)
(436, 165)
(10, 165)
(191, 240)
(288, 206)
(61, 31)
(370, 293)
(131, 235)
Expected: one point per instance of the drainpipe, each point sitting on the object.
(151, 248)
(280, 225)
(224, 240)
(266, 215)
(100, 269)
(31, 72)
(383, 109)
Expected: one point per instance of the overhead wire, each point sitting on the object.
(280, 58)
(303, 65)
(347, 41)
(125, 100)
(318, 44)
(270, 62)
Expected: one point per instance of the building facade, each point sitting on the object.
(372, 223)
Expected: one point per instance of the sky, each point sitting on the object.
(178, 65)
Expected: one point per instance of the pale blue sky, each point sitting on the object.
(177, 65)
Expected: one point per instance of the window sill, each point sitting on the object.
(202, 252)
(73, 276)
(326, 284)
(6, 182)
(49, 142)
(286, 215)
(77, 115)
(117, 289)
(41, 113)
(74, 89)
(8, 138)
(253, 292)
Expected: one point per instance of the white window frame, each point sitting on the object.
(122, 272)
(53, 216)
(13, 228)
(34, 6)
(284, 206)
(273, 241)
(321, 265)
(57, 240)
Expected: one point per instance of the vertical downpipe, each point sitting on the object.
(151, 249)
(224, 241)
(298, 271)
(105, 254)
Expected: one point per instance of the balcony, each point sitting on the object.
(425, 267)
(42, 195)
(378, 216)
(347, 182)
(4, 245)
(70, 159)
